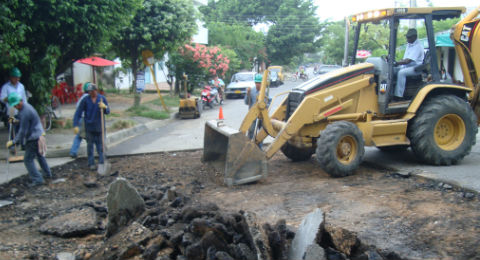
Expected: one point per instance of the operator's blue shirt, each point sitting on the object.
(30, 125)
(91, 111)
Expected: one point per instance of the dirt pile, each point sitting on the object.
(172, 228)
(370, 215)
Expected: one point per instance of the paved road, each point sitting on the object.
(188, 134)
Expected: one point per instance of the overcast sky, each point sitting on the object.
(338, 9)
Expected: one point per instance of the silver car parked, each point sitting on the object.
(239, 83)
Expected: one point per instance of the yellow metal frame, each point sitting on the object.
(355, 99)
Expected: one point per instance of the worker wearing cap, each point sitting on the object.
(13, 85)
(77, 140)
(91, 106)
(32, 130)
(412, 57)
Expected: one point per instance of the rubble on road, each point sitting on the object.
(170, 228)
(78, 222)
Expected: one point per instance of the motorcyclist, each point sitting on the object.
(302, 72)
(220, 85)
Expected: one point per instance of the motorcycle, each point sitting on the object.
(209, 96)
(303, 76)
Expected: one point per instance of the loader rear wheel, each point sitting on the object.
(340, 148)
(297, 154)
(444, 130)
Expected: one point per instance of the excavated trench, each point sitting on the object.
(188, 214)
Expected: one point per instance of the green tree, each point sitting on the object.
(242, 39)
(12, 33)
(293, 24)
(160, 26)
(244, 12)
(332, 42)
(44, 37)
(294, 31)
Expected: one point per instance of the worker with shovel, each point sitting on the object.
(92, 107)
(32, 130)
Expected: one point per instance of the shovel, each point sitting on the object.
(15, 158)
(103, 169)
(8, 152)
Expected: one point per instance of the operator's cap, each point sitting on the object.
(91, 87)
(411, 32)
(14, 98)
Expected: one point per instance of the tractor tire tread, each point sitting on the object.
(421, 130)
(326, 153)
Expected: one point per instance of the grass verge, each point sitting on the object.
(145, 111)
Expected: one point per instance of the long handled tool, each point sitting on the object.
(103, 169)
(15, 158)
(8, 152)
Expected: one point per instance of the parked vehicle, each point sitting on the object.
(209, 96)
(274, 80)
(239, 83)
(278, 70)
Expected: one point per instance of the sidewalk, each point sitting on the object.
(59, 141)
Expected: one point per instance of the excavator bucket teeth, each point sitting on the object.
(231, 152)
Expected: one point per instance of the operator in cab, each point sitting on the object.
(412, 57)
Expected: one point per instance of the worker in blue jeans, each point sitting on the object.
(91, 106)
(32, 130)
(77, 140)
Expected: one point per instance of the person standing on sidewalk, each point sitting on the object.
(32, 130)
(13, 85)
(77, 140)
(91, 106)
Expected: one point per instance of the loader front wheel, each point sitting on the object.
(340, 148)
(297, 154)
(443, 131)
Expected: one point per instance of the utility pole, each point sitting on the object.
(345, 50)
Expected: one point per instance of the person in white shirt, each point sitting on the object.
(13, 85)
(413, 56)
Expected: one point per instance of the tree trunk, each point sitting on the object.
(177, 86)
(136, 97)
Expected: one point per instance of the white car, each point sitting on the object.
(239, 83)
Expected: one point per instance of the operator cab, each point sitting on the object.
(388, 28)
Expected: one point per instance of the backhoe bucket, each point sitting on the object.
(231, 152)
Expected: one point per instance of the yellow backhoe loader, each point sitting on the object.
(338, 113)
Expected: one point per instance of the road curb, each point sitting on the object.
(115, 137)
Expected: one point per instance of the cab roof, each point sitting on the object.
(438, 13)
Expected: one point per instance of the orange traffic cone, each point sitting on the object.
(220, 113)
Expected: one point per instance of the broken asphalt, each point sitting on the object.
(59, 143)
